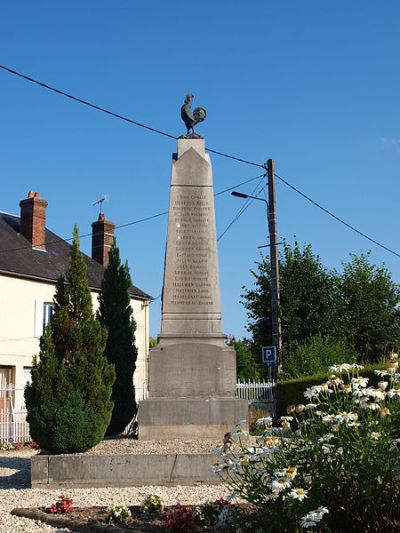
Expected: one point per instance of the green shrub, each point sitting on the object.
(68, 402)
(290, 391)
(115, 314)
(315, 355)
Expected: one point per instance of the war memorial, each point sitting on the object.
(192, 372)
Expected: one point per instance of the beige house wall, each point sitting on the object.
(19, 339)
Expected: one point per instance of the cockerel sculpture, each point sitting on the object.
(191, 119)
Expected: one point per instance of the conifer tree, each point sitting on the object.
(115, 313)
(68, 403)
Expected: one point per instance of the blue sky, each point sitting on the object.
(314, 85)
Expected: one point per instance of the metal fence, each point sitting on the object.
(256, 390)
(13, 424)
(14, 427)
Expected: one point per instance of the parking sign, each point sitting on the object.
(269, 356)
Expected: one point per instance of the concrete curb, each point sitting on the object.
(75, 471)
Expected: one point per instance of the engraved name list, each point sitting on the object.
(191, 212)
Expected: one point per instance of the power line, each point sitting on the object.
(239, 185)
(116, 115)
(243, 208)
(132, 223)
(156, 298)
(325, 210)
(217, 152)
(55, 241)
(85, 102)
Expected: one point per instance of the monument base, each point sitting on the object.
(188, 418)
(192, 370)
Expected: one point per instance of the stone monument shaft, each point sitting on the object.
(192, 373)
(191, 306)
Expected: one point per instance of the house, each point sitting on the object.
(31, 259)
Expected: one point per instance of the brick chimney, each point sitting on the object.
(33, 220)
(102, 239)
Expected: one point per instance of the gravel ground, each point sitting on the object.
(142, 447)
(15, 481)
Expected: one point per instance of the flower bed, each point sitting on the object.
(331, 465)
(179, 518)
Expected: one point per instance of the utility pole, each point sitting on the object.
(274, 255)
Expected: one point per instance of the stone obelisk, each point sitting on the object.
(192, 373)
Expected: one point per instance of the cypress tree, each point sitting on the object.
(115, 313)
(68, 403)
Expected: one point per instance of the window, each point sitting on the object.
(6, 376)
(43, 314)
(6, 388)
(27, 375)
(48, 309)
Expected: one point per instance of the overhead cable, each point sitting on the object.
(169, 135)
(325, 210)
(115, 115)
(132, 223)
(243, 208)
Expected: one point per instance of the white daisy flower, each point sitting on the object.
(346, 417)
(286, 419)
(393, 392)
(381, 373)
(279, 484)
(309, 520)
(377, 394)
(312, 392)
(359, 382)
(298, 494)
(319, 512)
(311, 406)
(359, 393)
(266, 421)
(345, 367)
(240, 429)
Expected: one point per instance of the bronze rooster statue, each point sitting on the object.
(191, 119)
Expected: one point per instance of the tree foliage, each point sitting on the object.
(358, 307)
(115, 314)
(307, 298)
(368, 307)
(315, 354)
(68, 402)
(246, 366)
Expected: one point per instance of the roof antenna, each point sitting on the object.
(103, 198)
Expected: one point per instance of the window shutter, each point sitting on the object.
(38, 318)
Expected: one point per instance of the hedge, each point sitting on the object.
(290, 391)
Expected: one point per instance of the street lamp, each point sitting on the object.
(241, 195)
